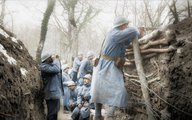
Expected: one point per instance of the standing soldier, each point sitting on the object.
(76, 65)
(108, 82)
(86, 66)
(66, 78)
(52, 81)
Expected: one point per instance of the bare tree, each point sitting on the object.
(116, 6)
(154, 15)
(148, 13)
(79, 13)
(145, 13)
(121, 8)
(2, 15)
(179, 10)
(189, 8)
(173, 10)
(47, 14)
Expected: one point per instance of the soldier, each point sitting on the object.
(76, 65)
(82, 111)
(52, 81)
(108, 81)
(86, 67)
(74, 90)
(66, 78)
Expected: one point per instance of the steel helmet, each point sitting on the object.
(120, 20)
(71, 83)
(90, 53)
(87, 76)
(45, 56)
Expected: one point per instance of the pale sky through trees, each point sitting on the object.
(24, 17)
(31, 11)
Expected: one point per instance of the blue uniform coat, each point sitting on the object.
(75, 69)
(107, 82)
(83, 98)
(52, 80)
(66, 78)
(85, 68)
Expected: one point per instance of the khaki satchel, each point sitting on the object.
(119, 62)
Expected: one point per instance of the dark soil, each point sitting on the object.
(19, 83)
(180, 72)
(171, 96)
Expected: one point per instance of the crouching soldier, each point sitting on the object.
(82, 111)
(74, 90)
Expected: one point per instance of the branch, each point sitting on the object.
(150, 36)
(156, 66)
(155, 50)
(163, 41)
(132, 76)
(144, 57)
(59, 25)
(87, 18)
(141, 73)
(153, 43)
(136, 76)
(149, 81)
(116, 6)
(148, 14)
(154, 80)
(80, 15)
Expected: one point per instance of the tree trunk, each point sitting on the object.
(2, 12)
(72, 48)
(188, 8)
(44, 25)
(148, 14)
(173, 10)
(144, 84)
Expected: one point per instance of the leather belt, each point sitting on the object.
(106, 57)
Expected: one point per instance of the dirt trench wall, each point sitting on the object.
(169, 75)
(180, 72)
(20, 82)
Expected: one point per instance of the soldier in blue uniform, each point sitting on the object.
(82, 111)
(86, 67)
(108, 82)
(76, 65)
(52, 81)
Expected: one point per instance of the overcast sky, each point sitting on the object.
(31, 11)
(29, 14)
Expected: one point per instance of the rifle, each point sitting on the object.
(61, 80)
